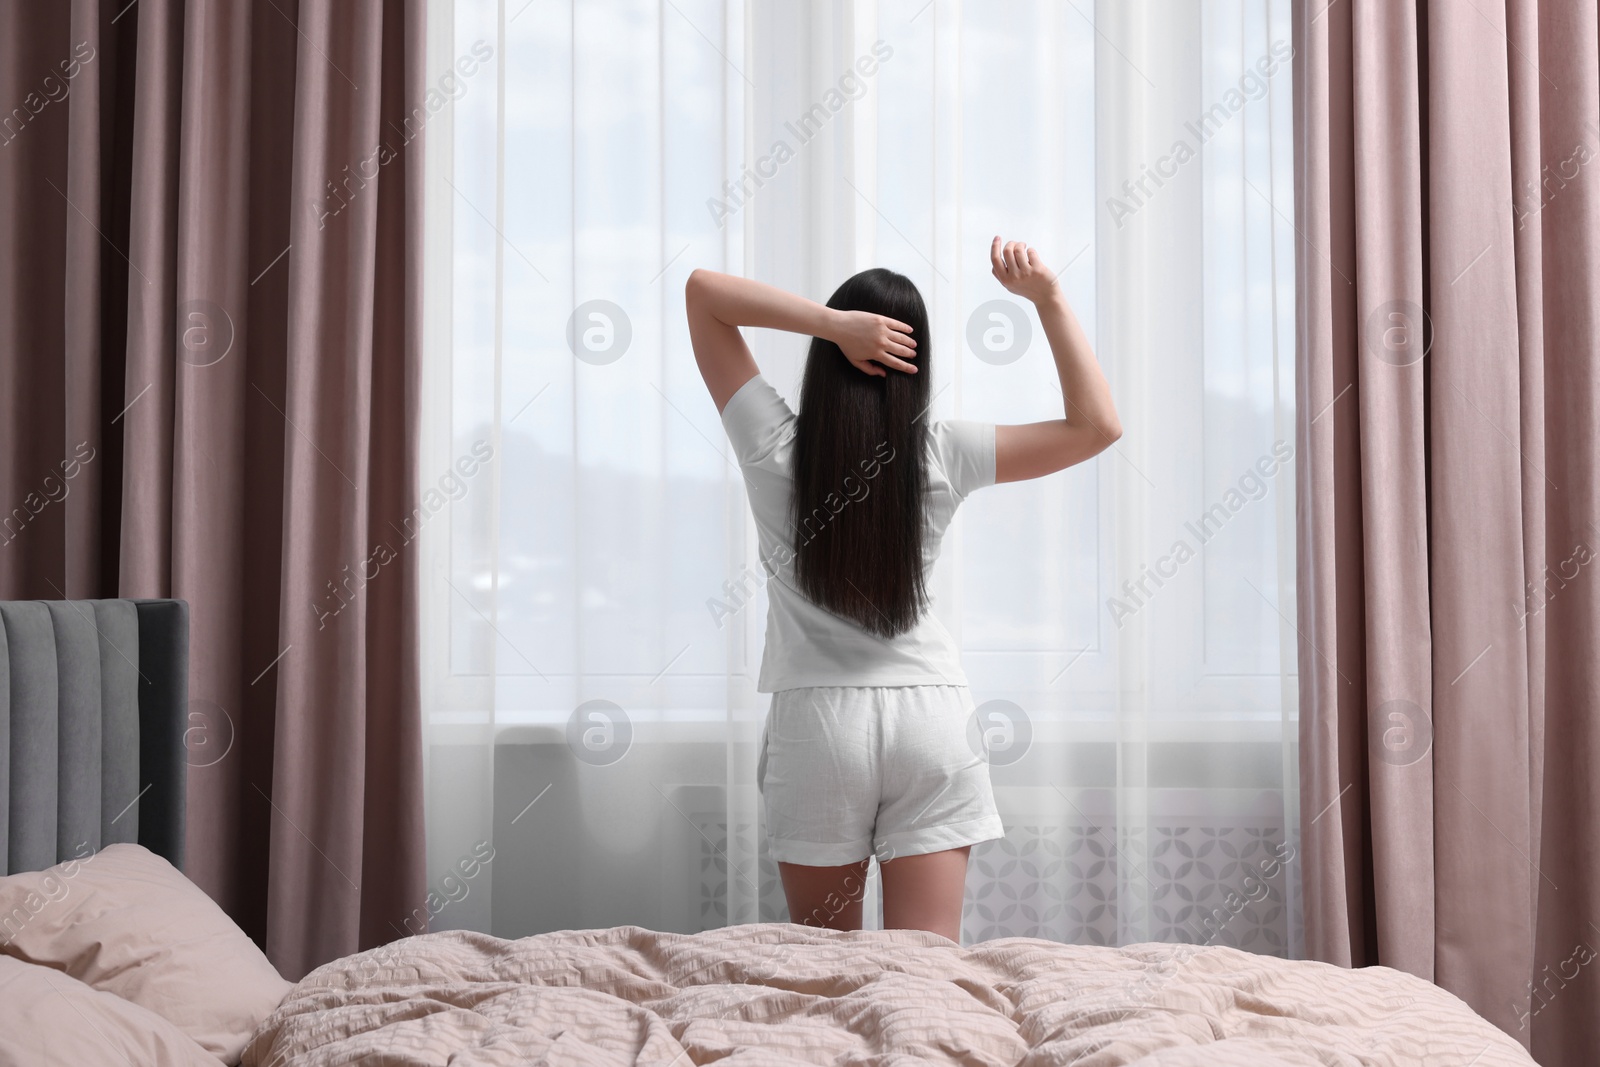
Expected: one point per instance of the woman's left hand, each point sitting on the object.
(872, 342)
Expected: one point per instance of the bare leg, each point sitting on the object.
(829, 897)
(925, 892)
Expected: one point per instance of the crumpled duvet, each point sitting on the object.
(780, 993)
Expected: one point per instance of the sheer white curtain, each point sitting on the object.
(594, 606)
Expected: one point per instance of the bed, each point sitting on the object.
(92, 707)
(786, 994)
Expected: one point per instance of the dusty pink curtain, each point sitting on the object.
(1449, 421)
(209, 315)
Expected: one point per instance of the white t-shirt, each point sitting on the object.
(807, 645)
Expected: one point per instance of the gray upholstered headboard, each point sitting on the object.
(93, 704)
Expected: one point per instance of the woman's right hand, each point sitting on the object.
(1021, 271)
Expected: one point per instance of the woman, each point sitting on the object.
(865, 747)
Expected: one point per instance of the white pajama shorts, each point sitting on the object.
(847, 772)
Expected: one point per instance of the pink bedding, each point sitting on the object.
(788, 994)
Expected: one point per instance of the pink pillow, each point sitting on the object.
(51, 1019)
(125, 921)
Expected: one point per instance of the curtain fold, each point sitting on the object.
(1450, 222)
(351, 763)
(220, 298)
(51, 468)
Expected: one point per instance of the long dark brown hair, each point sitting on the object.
(861, 469)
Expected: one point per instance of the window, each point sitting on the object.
(1133, 611)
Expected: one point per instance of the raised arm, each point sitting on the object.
(718, 304)
(1090, 425)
